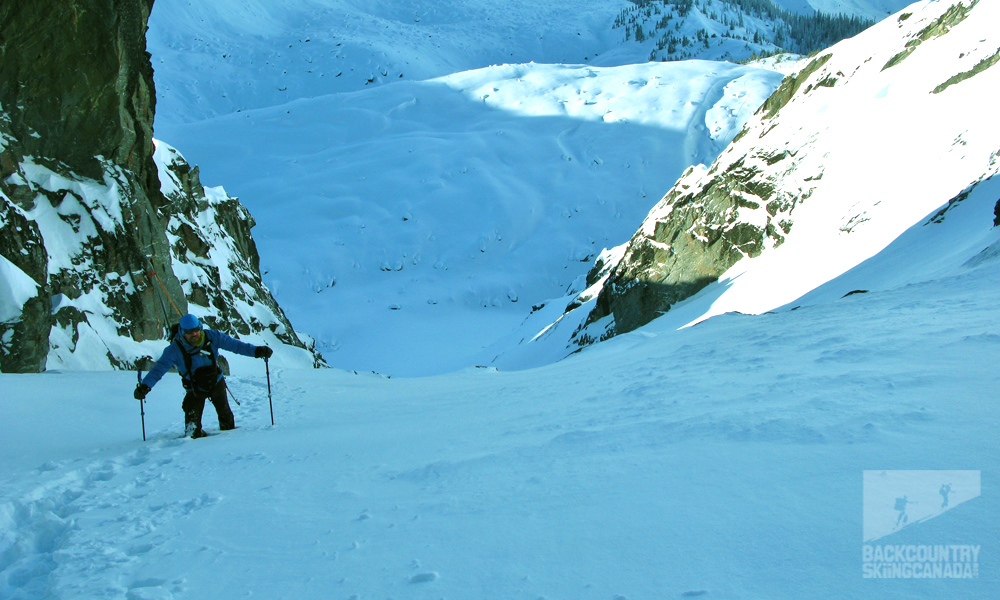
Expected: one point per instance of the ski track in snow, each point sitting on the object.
(555, 482)
(84, 522)
(93, 520)
(723, 460)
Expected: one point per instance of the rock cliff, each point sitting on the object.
(869, 138)
(841, 137)
(87, 216)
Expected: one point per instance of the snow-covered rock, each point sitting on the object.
(843, 158)
(103, 245)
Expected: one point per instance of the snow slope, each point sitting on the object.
(887, 145)
(213, 58)
(725, 460)
(437, 212)
(877, 135)
(442, 198)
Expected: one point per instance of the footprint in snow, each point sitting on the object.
(138, 550)
(148, 590)
(49, 466)
(424, 577)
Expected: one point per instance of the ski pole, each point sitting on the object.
(142, 409)
(267, 369)
(232, 395)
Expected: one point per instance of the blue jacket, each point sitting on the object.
(172, 356)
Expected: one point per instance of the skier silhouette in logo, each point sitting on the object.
(901, 507)
(944, 491)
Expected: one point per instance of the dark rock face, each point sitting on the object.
(702, 227)
(84, 222)
(77, 83)
(24, 339)
(712, 219)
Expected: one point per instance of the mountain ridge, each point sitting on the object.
(795, 165)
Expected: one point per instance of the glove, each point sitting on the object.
(262, 352)
(141, 390)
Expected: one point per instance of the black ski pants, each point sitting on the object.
(194, 406)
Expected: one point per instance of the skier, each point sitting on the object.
(195, 352)
(944, 491)
(901, 504)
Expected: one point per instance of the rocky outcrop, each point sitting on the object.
(704, 225)
(712, 218)
(77, 84)
(750, 200)
(210, 243)
(84, 221)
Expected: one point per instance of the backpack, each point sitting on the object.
(203, 379)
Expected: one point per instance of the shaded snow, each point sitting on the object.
(439, 212)
(623, 471)
(725, 460)
(16, 288)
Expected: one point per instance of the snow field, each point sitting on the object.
(864, 123)
(264, 54)
(722, 460)
(726, 463)
(438, 213)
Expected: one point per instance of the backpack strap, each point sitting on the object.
(207, 345)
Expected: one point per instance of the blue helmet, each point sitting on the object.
(190, 321)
